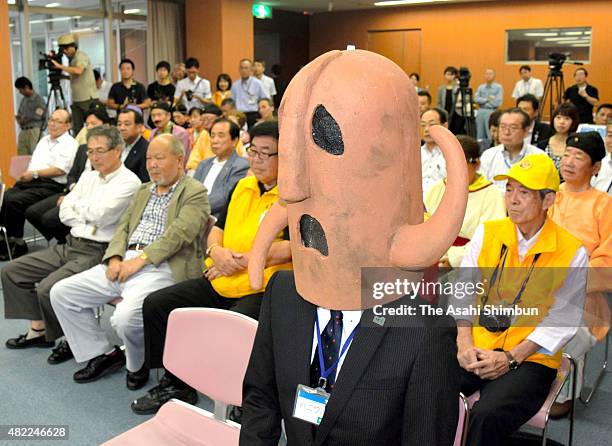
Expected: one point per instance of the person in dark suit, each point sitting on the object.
(538, 131)
(221, 173)
(372, 380)
(130, 124)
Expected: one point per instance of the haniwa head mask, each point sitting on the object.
(350, 179)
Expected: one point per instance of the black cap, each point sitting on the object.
(161, 105)
(212, 109)
(590, 143)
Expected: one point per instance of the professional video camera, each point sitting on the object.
(46, 63)
(556, 61)
(464, 77)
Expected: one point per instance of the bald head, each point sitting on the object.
(165, 160)
(59, 123)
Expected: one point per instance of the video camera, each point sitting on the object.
(556, 61)
(464, 77)
(189, 95)
(46, 63)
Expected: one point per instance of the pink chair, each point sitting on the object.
(464, 415)
(19, 165)
(540, 419)
(209, 349)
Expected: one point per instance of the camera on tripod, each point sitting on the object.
(556, 61)
(46, 63)
(464, 77)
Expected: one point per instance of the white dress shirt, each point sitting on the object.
(350, 319)
(268, 84)
(565, 314)
(199, 86)
(433, 167)
(532, 86)
(94, 207)
(497, 161)
(603, 180)
(213, 173)
(58, 153)
(127, 148)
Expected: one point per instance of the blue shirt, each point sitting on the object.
(247, 94)
(485, 90)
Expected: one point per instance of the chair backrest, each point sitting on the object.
(19, 164)
(462, 422)
(209, 349)
(208, 225)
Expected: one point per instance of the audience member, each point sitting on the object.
(583, 95)
(259, 68)
(489, 96)
(239, 119)
(424, 100)
(565, 121)
(104, 87)
(202, 149)
(30, 116)
(156, 245)
(484, 203)
(45, 176)
(266, 109)
(180, 116)
(128, 91)
(92, 210)
(45, 214)
(160, 114)
(227, 105)
(527, 84)
(220, 173)
(415, 78)
(538, 131)
(83, 88)
(513, 127)
(247, 91)
(224, 84)
(514, 363)
(447, 93)
(134, 153)
(603, 114)
(196, 125)
(225, 283)
(433, 165)
(603, 180)
(162, 90)
(493, 131)
(193, 90)
(178, 73)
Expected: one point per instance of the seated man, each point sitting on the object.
(161, 117)
(155, 246)
(220, 173)
(46, 175)
(44, 215)
(225, 283)
(92, 210)
(513, 362)
(131, 126)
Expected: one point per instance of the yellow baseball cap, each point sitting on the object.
(66, 39)
(535, 172)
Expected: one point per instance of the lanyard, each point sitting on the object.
(326, 372)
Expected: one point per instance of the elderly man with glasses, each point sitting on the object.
(225, 282)
(92, 209)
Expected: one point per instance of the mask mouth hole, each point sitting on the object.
(313, 235)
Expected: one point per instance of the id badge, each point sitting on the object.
(251, 100)
(310, 404)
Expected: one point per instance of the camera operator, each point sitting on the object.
(29, 117)
(128, 91)
(82, 81)
(192, 91)
(583, 96)
(528, 262)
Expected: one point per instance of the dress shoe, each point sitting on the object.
(61, 353)
(17, 250)
(137, 380)
(560, 410)
(100, 366)
(165, 391)
(23, 342)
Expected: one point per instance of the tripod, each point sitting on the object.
(553, 91)
(60, 102)
(467, 99)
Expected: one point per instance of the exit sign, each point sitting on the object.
(262, 11)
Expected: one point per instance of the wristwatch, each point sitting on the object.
(512, 363)
(35, 174)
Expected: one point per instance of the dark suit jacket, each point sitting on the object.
(136, 160)
(541, 132)
(78, 166)
(234, 169)
(397, 386)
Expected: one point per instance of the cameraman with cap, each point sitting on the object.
(528, 263)
(82, 81)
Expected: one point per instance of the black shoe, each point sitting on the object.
(22, 342)
(137, 380)
(100, 366)
(19, 249)
(161, 394)
(61, 353)
(236, 414)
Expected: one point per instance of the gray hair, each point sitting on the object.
(544, 192)
(174, 143)
(112, 135)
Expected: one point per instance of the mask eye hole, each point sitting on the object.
(326, 132)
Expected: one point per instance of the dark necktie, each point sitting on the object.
(331, 337)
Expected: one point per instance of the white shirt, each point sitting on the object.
(127, 148)
(603, 180)
(496, 161)
(58, 153)
(268, 84)
(94, 207)
(199, 86)
(532, 86)
(433, 167)
(103, 92)
(565, 314)
(213, 173)
(350, 319)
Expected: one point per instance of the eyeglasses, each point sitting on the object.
(92, 152)
(260, 155)
(510, 128)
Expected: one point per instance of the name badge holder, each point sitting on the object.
(310, 404)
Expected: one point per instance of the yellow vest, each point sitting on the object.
(246, 211)
(557, 248)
